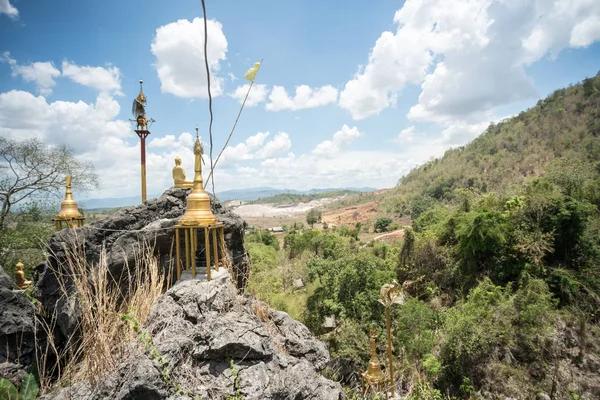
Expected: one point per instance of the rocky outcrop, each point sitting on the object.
(216, 346)
(17, 331)
(119, 237)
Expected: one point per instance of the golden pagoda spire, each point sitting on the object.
(68, 207)
(374, 371)
(373, 379)
(69, 212)
(198, 202)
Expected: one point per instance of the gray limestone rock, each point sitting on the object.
(216, 347)
(119, 236)
(6, 281)
(17, 328)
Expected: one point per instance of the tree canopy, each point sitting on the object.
(32, 169)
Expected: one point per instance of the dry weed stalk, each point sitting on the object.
(102, 337)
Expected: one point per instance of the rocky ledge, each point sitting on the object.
(218, 345)
(119, 236)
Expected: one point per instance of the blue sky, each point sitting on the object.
(383, 85)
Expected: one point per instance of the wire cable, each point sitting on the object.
(209, 97)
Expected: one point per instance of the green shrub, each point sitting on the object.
(415, 328)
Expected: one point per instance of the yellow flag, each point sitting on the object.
(251, 73)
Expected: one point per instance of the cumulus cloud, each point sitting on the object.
(170, 141)
(257, 95)
(179, 51)
(280, 144)
(42, 74)
(406, 135)
(305, 97)
(341, 139)
(8, 9)
(468, 56)
(103, 79)
(80, 125)
(96, 135)
(254, 147)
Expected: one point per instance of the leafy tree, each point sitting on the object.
(571, 175)
(381, 224)
(313, 216)
(33, 169)
(482, 236)
(263, 236)
(408, 248)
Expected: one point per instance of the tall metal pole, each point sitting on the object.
(389, 347)
(143, 150)
(139, 112)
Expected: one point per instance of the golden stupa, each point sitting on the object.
(198, 202)
(69, 214)
(373, 380)
(199, 228)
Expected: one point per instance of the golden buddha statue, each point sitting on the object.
(20, 277)
(179, 175)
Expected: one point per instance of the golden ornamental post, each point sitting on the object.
(390, 294)
(139, 112)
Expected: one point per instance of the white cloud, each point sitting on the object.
(243, 151)
(280, 143)
(179, 51)
(254, 147)
(80, 125)
(406, 135)
(103, 79)
(305, 97)
(469, 55)
(341, 139)
(8, 9)
(257, 95)
(40, 73)
(169, 141)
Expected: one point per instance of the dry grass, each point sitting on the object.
(103, 337)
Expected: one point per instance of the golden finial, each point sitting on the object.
(141, 97)
(373, 380)
(69, 212)
(20, 280)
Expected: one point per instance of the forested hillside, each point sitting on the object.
(565, 126)
(500, 270)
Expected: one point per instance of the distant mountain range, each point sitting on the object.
(234, 194)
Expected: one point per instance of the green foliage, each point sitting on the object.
(292, 198)
(263, 236)
(473, 329)
(236, 383)
(415, 329)
(431, 219)
(313, 216)
(28, 391)
(24, 239)
(482, 235)
(349, 287)
(381, 225)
